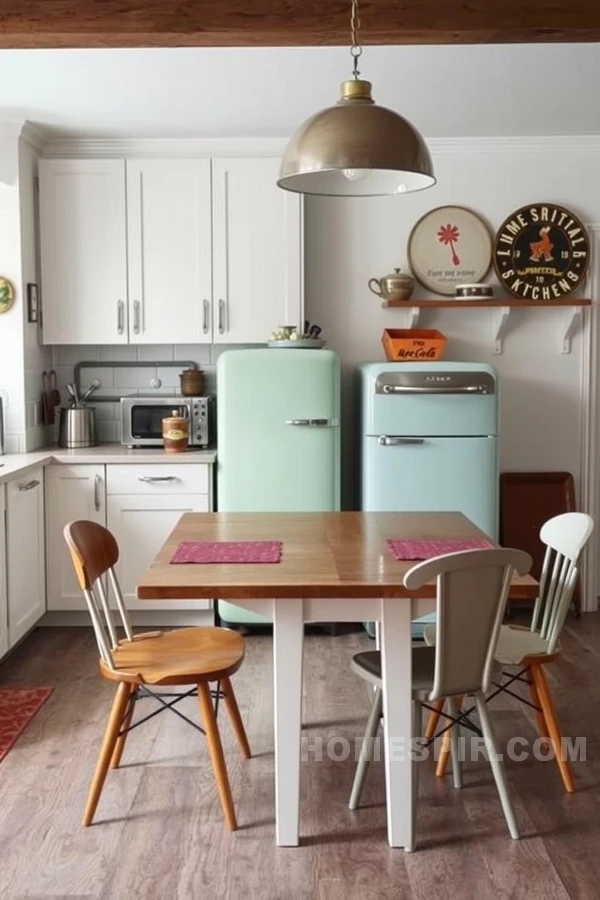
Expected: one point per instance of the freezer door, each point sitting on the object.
(413, 474)
(443, 401)
(278, 431)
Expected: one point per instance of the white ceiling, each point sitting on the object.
(266, 92)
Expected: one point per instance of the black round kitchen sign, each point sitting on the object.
(541, 252)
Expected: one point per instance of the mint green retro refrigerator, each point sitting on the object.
(278, 433)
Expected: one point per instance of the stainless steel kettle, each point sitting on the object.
(77, 427)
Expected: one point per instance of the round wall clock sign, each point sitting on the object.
(541, 252)
(7, 294)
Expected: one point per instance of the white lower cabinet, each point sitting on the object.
(139, 504)
(25, 564)
(72, 492)
(141, 523)
(3, 598)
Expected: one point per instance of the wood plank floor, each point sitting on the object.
(159, 833)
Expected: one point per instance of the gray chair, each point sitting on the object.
(472, 587)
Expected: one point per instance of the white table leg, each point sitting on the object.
(396, 667)
(288, 639)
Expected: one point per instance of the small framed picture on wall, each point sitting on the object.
(32, 302)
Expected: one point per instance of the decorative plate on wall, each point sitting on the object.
(541, 252)
(7, 294)
(448, 246)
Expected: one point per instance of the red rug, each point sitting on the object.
(18, 706)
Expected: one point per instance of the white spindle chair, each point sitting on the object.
(472, 585)
(530, 649)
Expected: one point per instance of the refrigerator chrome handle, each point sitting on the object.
(433, 389)
(313, 423)
(386, 441)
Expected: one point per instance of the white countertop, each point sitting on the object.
(17, 464)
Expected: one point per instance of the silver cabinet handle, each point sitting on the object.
(97, 482)
(414, 389)
(29, 485)
(386, 441)
(221, 317)
(136, 316)
(151, 479)
(120, 317)
(313, 423)
(205, 316)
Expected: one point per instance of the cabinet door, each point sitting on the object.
(72, 492)
(257, 240)
(83, 251)
(3, 600)
(25, 554)
(141, 524)
(169, 241)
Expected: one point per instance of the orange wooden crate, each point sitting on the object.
(413, 344)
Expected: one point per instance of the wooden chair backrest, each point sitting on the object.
(565, 537)
(472, 592)
(95, 552)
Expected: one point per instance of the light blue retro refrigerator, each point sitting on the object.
(429, 442)
(278, 427)
(430, 439)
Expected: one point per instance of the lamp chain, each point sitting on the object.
(355, 49)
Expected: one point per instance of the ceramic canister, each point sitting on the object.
(176, 433)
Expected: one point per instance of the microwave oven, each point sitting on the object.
(141, 419)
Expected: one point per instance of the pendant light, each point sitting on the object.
(356, 148)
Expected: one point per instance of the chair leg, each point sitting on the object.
(539, 714)
(365, 750)
(215, 748)
(497, 767)
(434, 718)
(539, 678)
(120, 745)
(454, 704)
(446, 747)
(236, 719)
(109, 740)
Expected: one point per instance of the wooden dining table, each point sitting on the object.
(334, 567)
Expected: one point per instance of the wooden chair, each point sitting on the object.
(472, 585)
(531, 649)
(187, 656)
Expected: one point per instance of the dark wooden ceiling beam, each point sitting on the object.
(128, 23)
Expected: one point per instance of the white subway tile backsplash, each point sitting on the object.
(198, 353)
(109, 432)
(154, 352)
(68, 355)
(106, 377)
(118, 353)
(106, 412)
(135, 378)
(169, 377)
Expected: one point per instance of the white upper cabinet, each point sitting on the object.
(168, 251)
(169, 244)
(83, 251)
(257, 251)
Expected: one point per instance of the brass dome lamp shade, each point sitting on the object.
(356, 148)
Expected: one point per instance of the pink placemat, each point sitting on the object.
(227, 552)
(427, 549)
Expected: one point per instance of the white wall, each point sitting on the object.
(349, 241)
(12, 385)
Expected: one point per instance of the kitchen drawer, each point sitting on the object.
(160, 478)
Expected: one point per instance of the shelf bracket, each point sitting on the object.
(574, 319)
(500, 327)
(415, 313)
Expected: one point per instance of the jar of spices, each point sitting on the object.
(192, 382)
(175, 433)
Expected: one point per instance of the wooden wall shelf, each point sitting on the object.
(574, 317)
(507, 301)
